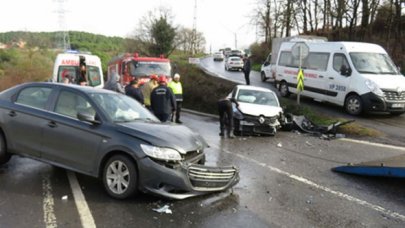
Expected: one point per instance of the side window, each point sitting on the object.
(70, 104)
(34, 96)
(339, 60)
(285, 59)
(316, 61)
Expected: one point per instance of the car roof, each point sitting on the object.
(249, 87)
(85, 89)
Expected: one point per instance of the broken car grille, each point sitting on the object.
(204, 177)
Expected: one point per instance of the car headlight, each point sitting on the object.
(237, 114)
(374, 88)
(161, 153)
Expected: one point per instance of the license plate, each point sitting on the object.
(398, 105)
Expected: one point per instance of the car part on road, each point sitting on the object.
(388, 167)
(302, 123)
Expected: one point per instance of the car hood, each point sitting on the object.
(390, 82)
(169, 135)
(257, 110)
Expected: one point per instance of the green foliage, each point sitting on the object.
(163, 35)
(259, 53)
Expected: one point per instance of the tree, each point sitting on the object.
(162, 37)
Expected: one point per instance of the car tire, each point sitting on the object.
(283, 88)
(120, 177)
(354, 105)
(4, 156)
(226, 68)
(263, 76)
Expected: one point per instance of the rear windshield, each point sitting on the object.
(72, 73)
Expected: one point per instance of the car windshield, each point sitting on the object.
(257, 97)
(121, 108)
(150, 68)
(373, 63)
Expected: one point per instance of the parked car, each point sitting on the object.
(233, 63)
(107, 135)
(258, 111)
(218, 56)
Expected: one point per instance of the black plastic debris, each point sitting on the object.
(302, 123)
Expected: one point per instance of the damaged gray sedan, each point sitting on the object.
(107, 135)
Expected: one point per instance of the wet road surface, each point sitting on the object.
(286, 181)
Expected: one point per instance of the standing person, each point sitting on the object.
(246, 69)
(113, 83)
(176, 87)
(133, 90)
(226, 116)
(147, 89)
(162, 100)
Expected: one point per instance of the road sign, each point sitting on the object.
(300, 80)
(300, 50)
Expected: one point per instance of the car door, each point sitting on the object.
(337, 81)
(67, 140)
(24, 121)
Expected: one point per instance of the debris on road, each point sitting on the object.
(65, 198)
(279, 145)
(303, 124)
(164, 209)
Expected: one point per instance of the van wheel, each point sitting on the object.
(283, 88)
(120, 177)
(354, 105)
(4, 156)
(263, 77)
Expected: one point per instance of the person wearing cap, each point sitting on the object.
(177, 89)
(133, 90)
(162, 100)
(147, 89)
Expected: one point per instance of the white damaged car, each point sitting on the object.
(258, 111)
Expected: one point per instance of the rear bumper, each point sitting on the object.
(184, 180)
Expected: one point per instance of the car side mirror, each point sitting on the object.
(87, 118)
(345, 71)
(266, 63)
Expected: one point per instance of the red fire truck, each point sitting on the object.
(127, 66)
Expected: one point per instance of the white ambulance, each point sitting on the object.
(358, 76)
(67, 66)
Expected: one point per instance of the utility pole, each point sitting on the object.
(194, 38)
(62, 37)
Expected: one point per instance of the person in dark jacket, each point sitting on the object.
(246, 69)
(162, 101)
(133, 90)
(225, 111)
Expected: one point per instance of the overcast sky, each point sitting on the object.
(218, 20)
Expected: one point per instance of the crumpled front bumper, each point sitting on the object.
(184, 180)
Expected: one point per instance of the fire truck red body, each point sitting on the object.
(128, 66)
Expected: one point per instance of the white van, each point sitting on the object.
(67, 66)
(358, 76)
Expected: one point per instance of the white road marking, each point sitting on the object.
(373, 144)
(377, 208)
(84, 211)
(48, 203)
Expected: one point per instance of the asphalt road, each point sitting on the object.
(391, 127)
(286, 181)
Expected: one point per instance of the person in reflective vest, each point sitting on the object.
(176, 87)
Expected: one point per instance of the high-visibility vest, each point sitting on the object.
(176, 87)
(177, 90)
